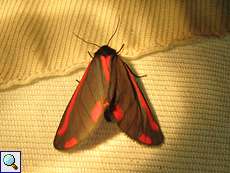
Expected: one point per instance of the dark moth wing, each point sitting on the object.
(86, 107)
(130, 109)
(108, 85)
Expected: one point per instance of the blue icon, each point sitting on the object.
(10, 162)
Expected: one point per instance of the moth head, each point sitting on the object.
(105, 51)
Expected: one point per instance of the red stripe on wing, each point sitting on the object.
(96, 111)
(143, 102)
(61, 131)
(105, 61)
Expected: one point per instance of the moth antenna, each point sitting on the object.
(114, 31)
(82, 39)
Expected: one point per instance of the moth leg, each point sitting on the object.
(78, 81)
(137, 76)
(90, 55)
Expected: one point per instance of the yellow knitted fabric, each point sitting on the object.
(189, 89)
(188, 79)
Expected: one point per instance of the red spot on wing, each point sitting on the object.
(62, 129)
(118, 113)
(70, 143)
(143, 102)
(105, 61)
(97, 111)
(144, 138)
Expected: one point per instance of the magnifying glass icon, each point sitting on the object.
(9, 160)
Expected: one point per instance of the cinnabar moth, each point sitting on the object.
(108, 87)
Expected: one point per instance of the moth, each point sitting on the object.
(108, 89)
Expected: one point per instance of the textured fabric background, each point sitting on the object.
(37, 37)
(188, 85)
(189, 88)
